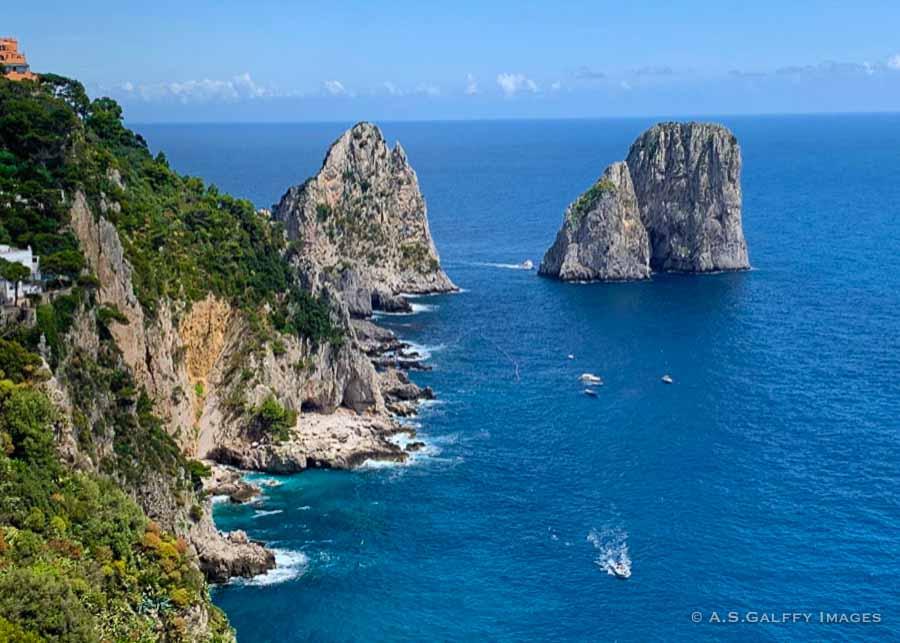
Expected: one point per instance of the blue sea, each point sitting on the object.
(763, 482)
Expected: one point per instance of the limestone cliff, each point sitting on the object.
(674, 205)
(360, 224)
(687, 178)
(602, 237)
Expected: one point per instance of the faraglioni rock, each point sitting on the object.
(687, 178)
(602, 237)
(673, 205)
(361, 226)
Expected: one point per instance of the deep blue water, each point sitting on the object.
(764, 480)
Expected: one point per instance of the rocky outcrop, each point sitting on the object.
(687, 178)
(602, 237)
(361, 225)
(339, 440)
(673, 205)
(361, 239)
(224, 556)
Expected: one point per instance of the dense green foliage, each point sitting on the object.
(79, 561)
(273, 421)
(183, 238)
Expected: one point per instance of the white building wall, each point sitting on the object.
(27, 259)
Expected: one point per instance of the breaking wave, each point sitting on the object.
(288, 566)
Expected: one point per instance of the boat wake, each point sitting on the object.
(611, 546)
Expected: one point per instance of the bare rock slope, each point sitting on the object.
(687, 178)
(360, 224)
(673, 205)
(602, 237)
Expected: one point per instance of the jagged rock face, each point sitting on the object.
(360, 224)
(149, 349)
(602, 237)
(687, 181)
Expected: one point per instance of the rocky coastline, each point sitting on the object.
(343, 439)
(360, 237)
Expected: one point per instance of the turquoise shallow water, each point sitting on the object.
(764, 480)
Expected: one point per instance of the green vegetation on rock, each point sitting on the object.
(79, 561)
(183, 238)
(585, 203)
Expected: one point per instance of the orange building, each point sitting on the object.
(12, 63)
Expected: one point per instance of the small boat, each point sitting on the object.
(591, 392)
(619, 569)
(527, 265)
(667, 379)
(591, 380)
(570, 356)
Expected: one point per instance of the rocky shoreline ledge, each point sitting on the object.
(343, 439)
(358, 237)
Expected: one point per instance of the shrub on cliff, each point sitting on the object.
(272, 420)
(78, 559)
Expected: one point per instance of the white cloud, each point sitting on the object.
(512, 84)
(239, 87)
(335, 87)
(624, 85)
(556, 86)
(471, 85)
(391, 88)
(427, 89)
(245, 86)
(894, 62)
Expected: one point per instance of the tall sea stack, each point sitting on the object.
(687, 178)
(673, 205)
(361, 225)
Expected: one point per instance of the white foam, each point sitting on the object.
(268, 482)
(416, 308)
(219, 499)
(612, 548)
(288, 566)
(402, 440)
(425, 351)
(266, 512)
(506, 266)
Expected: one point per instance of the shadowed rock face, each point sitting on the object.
(361, 224)
(687, 178)
(674, 205)
(602, 237)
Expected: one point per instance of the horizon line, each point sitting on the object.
(661, 118)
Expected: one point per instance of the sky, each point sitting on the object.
(287, 61)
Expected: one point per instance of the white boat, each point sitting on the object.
(591, 392)
(667, 379)
(590, 379)
(527, 265)
(570, 356)
(619, 569)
